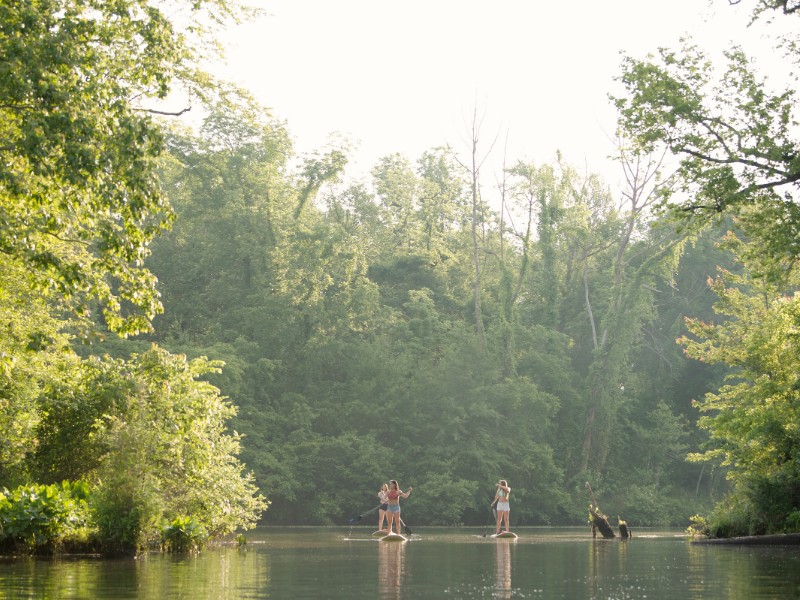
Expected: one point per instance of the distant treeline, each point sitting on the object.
(405, 328)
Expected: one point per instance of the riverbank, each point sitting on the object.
(781, 539)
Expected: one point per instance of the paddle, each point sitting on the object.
(357, 519)
(494, 516)
(406, 528)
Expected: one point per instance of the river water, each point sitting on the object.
(334, 563)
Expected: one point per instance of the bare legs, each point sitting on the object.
(392, 517)
(381, 518)
(502, 517)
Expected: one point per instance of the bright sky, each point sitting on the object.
(405, 76)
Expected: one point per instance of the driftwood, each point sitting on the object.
(624, 532)
(597, 519)
(600, 523)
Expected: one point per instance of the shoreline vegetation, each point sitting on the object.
(89, 549)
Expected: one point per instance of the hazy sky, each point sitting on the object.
(405, 76)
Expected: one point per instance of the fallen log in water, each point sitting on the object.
(624, 532)
(778, 539)
(597, 519)
(600, 522)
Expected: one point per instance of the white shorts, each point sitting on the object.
(503, 506)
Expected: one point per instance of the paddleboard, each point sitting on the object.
(505, 534)
(394, 537)
(379, 533)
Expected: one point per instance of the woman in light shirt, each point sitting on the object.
(383, 497)
(503, 507)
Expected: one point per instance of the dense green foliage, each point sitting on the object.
(735, 136)
(164, 449)
(753, 418)
(79, 200)
(80, 203)
(185, 534)
(46, 518)
(346, 322)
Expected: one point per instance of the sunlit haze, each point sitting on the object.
(406, 76)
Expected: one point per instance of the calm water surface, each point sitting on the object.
(335, 563)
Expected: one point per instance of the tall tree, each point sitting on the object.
(735, 140)
(477, 157)
(753, 417)
(615, 243)
(79, 198)
(396, 186)
(442, 206)
(35, 366)
(733, 133)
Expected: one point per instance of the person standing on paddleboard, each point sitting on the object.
(503, 507)
(393, 505)
(384, 498)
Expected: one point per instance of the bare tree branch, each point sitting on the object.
(165, 113)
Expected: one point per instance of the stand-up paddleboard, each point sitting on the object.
(394, 537)
(379, 533)
(505, 534)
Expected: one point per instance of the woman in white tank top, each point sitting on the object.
(503, 507)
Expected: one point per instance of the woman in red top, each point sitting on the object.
(393, 505)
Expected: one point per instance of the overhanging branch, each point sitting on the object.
(165, 113)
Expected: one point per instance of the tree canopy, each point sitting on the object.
(80, 203)
(79, 195)
(735, 138)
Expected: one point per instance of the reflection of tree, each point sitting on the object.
(502, 561)
(390, 569)
(698, 570)
(623, 551)
(225, 574)
(598, 565)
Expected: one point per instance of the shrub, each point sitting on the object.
(184, 534)
(44, 518)
(128, 517)
(775, 499)
(698, 528)
(758, 506)
(734, 517)
(793, 522)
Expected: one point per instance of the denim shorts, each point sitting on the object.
(503, 506)
(393, 508)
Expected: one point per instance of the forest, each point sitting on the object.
(205, 331)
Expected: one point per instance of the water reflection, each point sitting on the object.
(697, 569)
(622, 545)
(598, 565)
(502, 562)
(310, 563)
(390, 569)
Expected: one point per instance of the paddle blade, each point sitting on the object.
(355, 520)
(406, 528)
